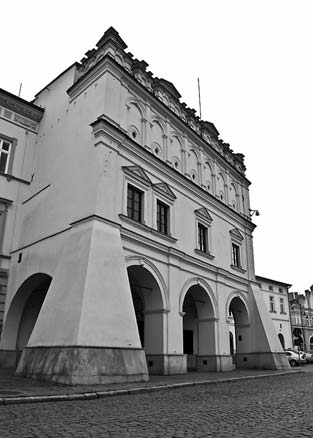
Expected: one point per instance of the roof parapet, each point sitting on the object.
(112, 44)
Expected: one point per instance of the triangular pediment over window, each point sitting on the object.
(203, 213)
(236, 234)
(138, 173)
(164, 189)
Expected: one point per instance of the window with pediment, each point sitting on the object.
(134, 203)
(203, 232)
(164, 199)
(137, 184)
(236, 240)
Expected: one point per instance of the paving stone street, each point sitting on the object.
(279, 406)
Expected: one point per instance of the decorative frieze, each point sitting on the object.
(111, 44)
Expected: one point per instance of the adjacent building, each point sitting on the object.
(275, 294)
(18, 131)
(301, 314)
(129, 247)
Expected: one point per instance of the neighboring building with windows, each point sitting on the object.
(18, 131)
(301, 313)
(132, 250)
(275, 294)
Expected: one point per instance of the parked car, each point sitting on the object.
(295, 358)
(309, 357)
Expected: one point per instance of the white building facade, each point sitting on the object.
(133, 249)
(275, 294)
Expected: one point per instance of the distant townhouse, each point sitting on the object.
(301, 313)
(275, 294)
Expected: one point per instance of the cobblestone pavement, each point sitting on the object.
(279, 406)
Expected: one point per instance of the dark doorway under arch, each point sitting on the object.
(282, 340)
(23, 312)
(199, 330)
(238, 310)
(149, 311)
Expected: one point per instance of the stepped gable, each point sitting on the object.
(112, 35)
(167, 86)
(112, 44)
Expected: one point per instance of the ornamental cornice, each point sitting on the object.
(112, 45)
(20, 106)
(104, 126)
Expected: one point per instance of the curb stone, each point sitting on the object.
(131, 391)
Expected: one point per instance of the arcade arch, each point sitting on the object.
(282, 340)
(24, 310)
(150, 309)
(199, 326)
(238, 317)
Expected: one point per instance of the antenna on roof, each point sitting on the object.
(19, 92)
(199, 98)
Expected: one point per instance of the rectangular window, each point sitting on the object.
(202, 238)
(235, 255)
(5, 150)
(282, 305)
(134, 203)
(270, 288)
(272, 304)
(162, 217)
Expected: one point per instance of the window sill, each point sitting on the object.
(137, 224)
(3, 256)
(238, 268)
(164, 236)
(144, 227)
(204, 254)
(15, 178)
(273, 311)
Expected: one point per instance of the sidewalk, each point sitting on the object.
(15, 390)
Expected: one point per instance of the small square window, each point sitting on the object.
(236, 255)
(281, 290)
(134, 203)
(202, 238)
(162, 217)
(270, 288)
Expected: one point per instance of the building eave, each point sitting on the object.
(103, 122)
(270, 280)
(20, 106)
(75, 64)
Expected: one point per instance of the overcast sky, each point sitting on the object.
(255, 63)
